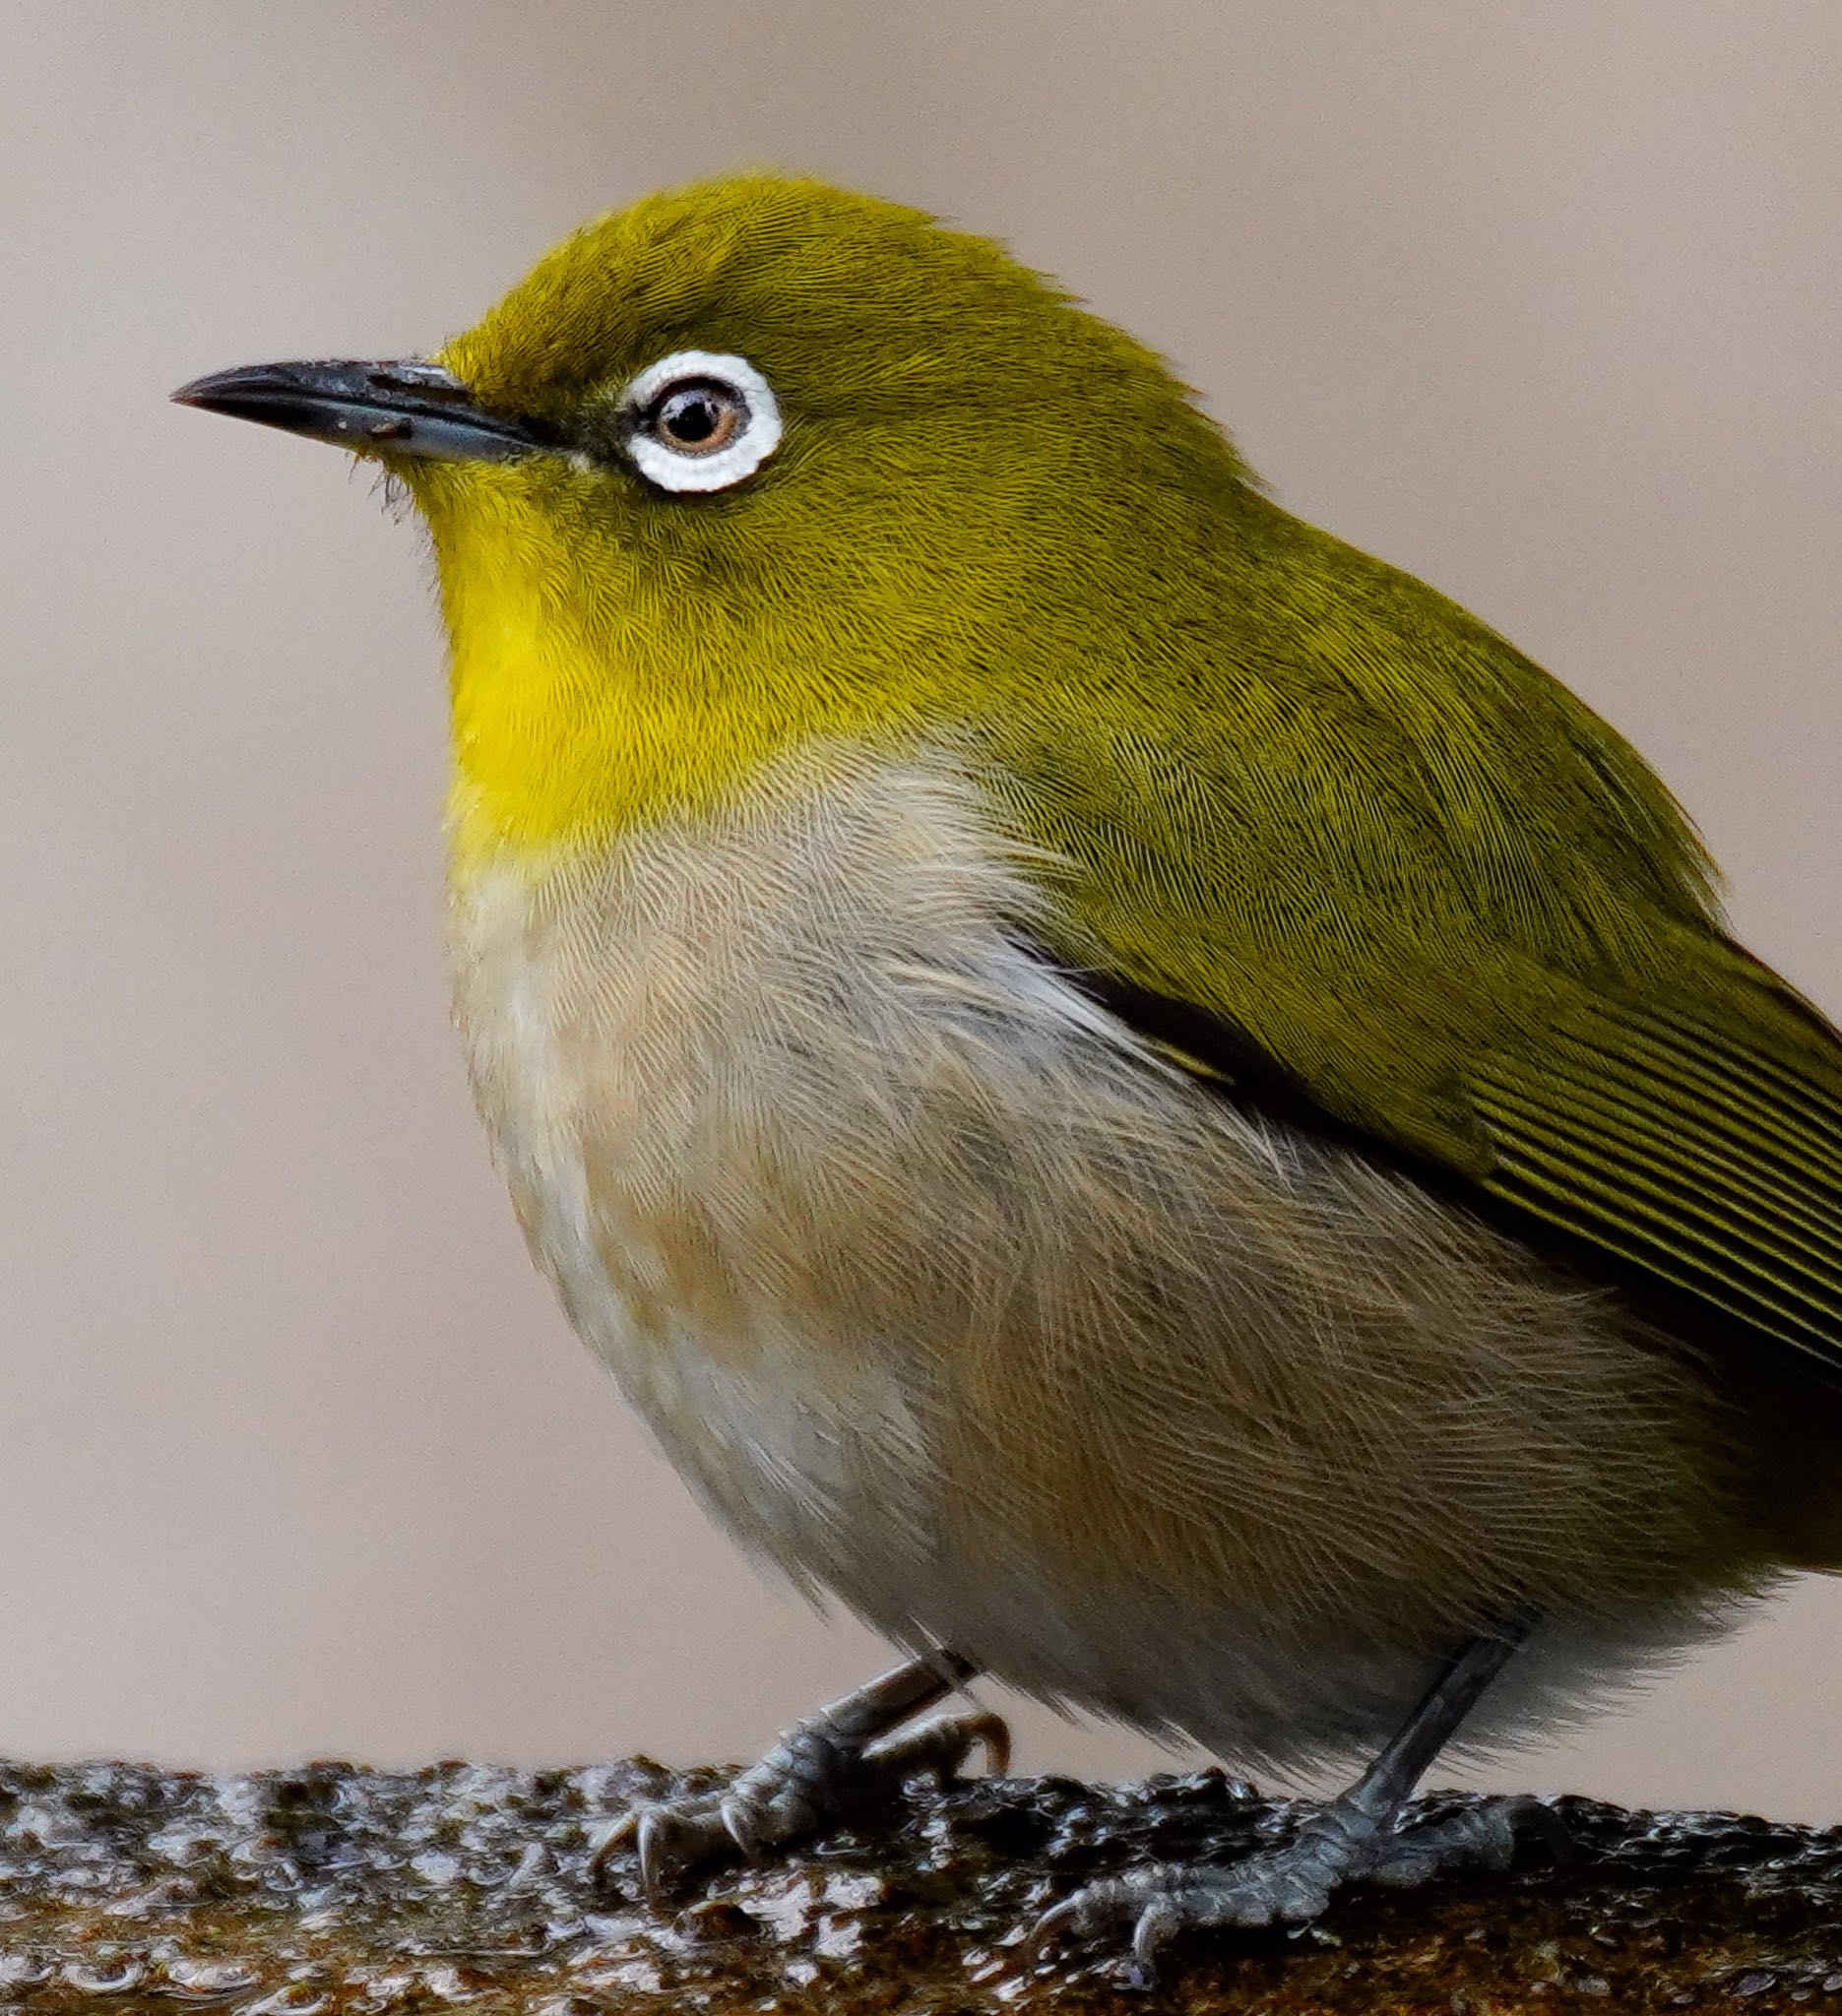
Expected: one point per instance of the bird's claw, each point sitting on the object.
(1166, 1899)
(815, 1775)
(664, 1837)
(1292, 1885)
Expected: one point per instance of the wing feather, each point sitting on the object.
(1714, 1162)
(1341, 844)
(1702, 1158)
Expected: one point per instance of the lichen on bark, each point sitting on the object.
(336, 1888)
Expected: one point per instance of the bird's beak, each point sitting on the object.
(408, 407)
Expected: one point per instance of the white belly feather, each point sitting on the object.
(953, 1301)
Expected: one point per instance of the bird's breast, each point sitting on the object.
(950, 1298)
(734, 1067)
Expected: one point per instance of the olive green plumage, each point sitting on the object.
(1284, 785)
(886, 711)
(1452, 905)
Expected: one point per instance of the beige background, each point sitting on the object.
(1542, 301)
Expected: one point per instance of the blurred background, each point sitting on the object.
(1545, 303)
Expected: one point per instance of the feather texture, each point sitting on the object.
(1268, 779)
(954, 1302)
(1451, 911)
(1345, 844)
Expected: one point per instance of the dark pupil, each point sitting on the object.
(690, 418)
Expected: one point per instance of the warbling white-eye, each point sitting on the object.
(1129, 1091)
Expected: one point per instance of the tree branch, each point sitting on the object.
(335, 1888)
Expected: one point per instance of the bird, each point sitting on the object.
(1131, 1094)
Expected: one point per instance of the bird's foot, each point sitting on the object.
(1345, 1840)
(852, 1755)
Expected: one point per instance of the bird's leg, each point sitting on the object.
(850, 1756)
(1357, 1837)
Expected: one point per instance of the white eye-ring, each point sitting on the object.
(700, 422)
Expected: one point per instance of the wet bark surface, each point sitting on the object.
(335, 1889)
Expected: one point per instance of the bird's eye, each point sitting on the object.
(700, 422)
(697, 416)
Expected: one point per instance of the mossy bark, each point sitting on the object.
(340, 1889)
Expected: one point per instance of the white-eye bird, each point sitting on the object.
(1128, 1091)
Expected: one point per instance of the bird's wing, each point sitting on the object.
(1706, 1147)
(1373, 864)
(1702, 1149)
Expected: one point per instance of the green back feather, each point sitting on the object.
(1282, 785)
(1454, 909)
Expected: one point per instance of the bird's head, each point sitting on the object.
(757, 464)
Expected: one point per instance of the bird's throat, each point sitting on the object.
(577, 712)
